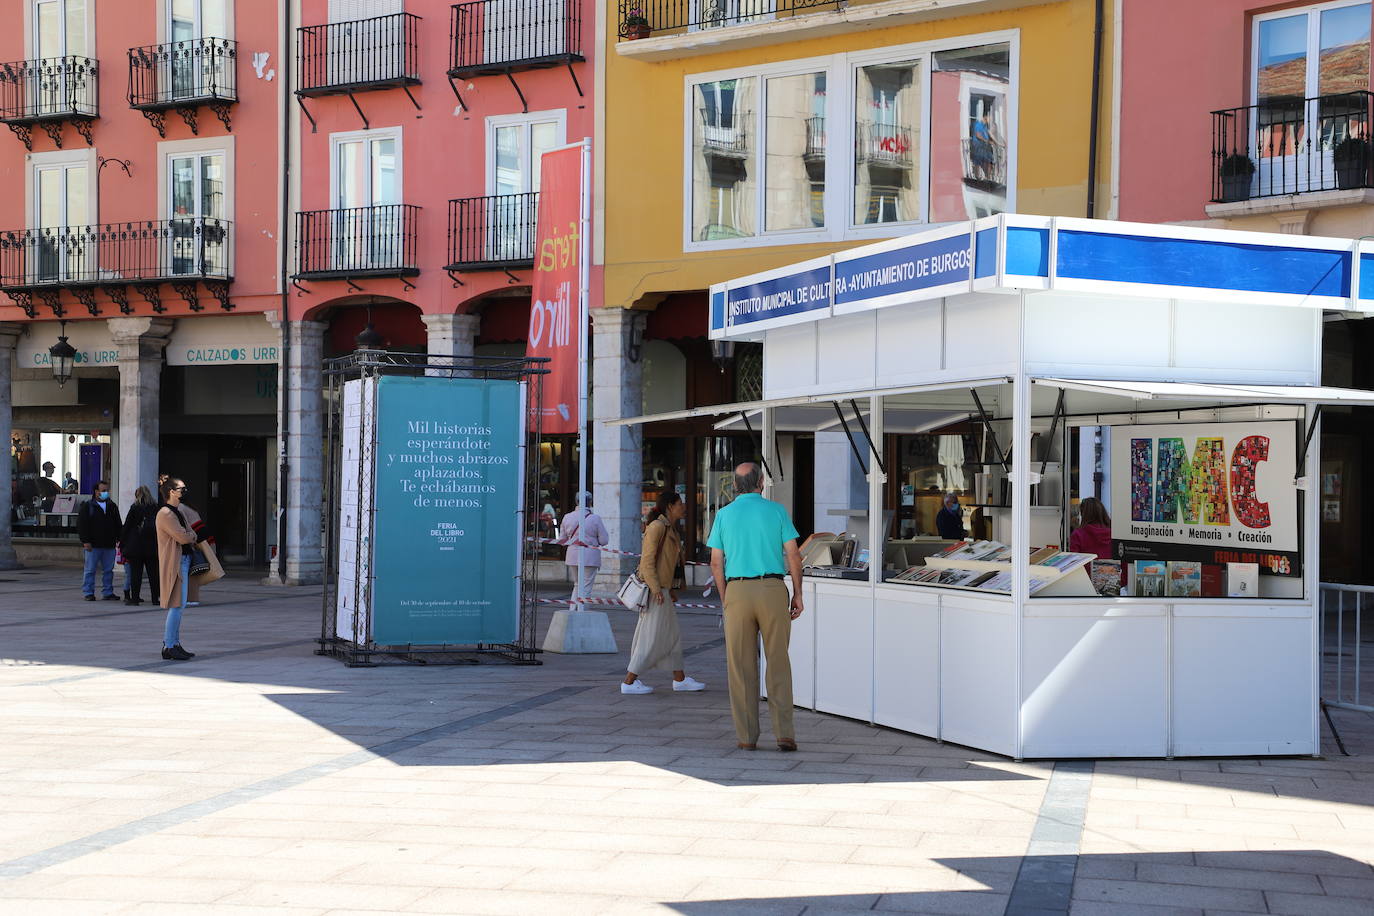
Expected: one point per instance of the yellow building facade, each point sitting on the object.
(736, 136)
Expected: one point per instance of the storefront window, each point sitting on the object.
(51, 474)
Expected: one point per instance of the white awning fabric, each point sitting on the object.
(1217, 393)
(813, 401)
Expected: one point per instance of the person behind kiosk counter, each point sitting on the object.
(584, 533)
(98, 524)
(752, 542)
(1094, 531)
(949, 521)
(657, 639)
(70, 484)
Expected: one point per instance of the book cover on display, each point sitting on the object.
(1149, 578)
(1106, 577)
(1185, 579)
(1039, 556)
(1242, 580)
(1213, 581)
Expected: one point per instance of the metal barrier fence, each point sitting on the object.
(1346, 669)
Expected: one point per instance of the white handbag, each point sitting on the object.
(634, 594)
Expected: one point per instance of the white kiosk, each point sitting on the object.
(1196, 353)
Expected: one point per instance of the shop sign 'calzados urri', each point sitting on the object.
(554, 307)
(1216, 492)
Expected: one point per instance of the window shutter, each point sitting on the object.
(350, 10)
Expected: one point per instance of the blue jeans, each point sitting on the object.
(171, 633)
(102, 558)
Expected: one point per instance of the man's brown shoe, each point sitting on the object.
(787, 744)
(746, 747)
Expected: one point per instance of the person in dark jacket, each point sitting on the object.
(139, 543)
(949, 521)
(98, 524)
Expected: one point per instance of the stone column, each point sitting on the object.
(452, 336)
(301, 382)
(9, 335)
(617, 451)
(140, 342)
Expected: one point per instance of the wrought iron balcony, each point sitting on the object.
(378, 53)
(815, 138)
(497, 36)
(646, 18)
(731, 141)
(182, 75)
(884, 144)
(985, 163)
(1287, 145)
(114, 256)
(48, 92)
(492, 233)
(357, 242)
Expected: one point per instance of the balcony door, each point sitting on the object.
(715, 14)
(517, 145)
(1309, 83)
(197, 65)
(367, 226)
(361, 46)
(197, 231)
(515, 30)
(59, 28)
(62, 251)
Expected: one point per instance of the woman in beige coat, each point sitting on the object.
(174, 542)
(657, 640)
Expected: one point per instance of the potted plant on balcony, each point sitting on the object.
(636, 24)
(1351, 157)
(1235, 172)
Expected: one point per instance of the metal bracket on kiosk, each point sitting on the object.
(1054, 428)
(743, 415)
(1307, 440)
(1003, 457)
(858, 455)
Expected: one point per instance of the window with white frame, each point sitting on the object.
(63, 250)
(850, 145)
(196, 202)
(59, 31)
(516, 145)
(367, 230)
(1310, 84)
(198, 64)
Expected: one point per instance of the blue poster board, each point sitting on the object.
(446, 529)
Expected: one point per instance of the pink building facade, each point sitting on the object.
(1257, 116)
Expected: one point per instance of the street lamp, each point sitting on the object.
(369, 338)
(722, 351)
(62, 355)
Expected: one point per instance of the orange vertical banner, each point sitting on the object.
(555, 327)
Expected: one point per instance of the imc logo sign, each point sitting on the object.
(1225, 485)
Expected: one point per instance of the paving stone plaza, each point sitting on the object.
(262, 779)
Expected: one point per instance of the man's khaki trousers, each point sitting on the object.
(754, 608)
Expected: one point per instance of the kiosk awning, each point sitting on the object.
(1217, 393)
(946, 396)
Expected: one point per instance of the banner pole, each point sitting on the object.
(583, 332)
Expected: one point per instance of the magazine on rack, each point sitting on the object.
(1184, 579)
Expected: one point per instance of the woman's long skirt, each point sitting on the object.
(658, 641)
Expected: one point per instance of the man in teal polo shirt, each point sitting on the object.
(752, 542)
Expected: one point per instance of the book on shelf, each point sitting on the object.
(1148, 578)
(1213, 580)
(999, 582)
(1106, 576)
(1184, 579)
(1040, 555)
(1242, 580)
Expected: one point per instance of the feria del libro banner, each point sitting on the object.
(1214, 492)
(554, 325)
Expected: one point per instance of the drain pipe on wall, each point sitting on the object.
(1094, 119)
(284, 236)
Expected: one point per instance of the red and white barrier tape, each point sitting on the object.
(625, 553)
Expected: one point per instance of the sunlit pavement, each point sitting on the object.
(261, 778)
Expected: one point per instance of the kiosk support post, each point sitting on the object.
(768, 451)
(1311, 561)
(1020, 530)
(877, 481)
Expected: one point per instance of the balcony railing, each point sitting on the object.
(815, 138)
(357, 242)
(492, 233)
(501, 36)
(1292, 146)
(376, 53)
(646, 18)
(183, 74)
(51, 89)
(113, 254)
(985, 163)
(732, 140)
(884, 144)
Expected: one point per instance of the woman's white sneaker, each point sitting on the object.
(637, 687)
(688, 683)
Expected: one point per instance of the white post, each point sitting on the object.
(1020, 533)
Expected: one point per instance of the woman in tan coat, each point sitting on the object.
(657, 640)
(174, 541)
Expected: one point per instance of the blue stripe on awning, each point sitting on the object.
(1028, 252)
